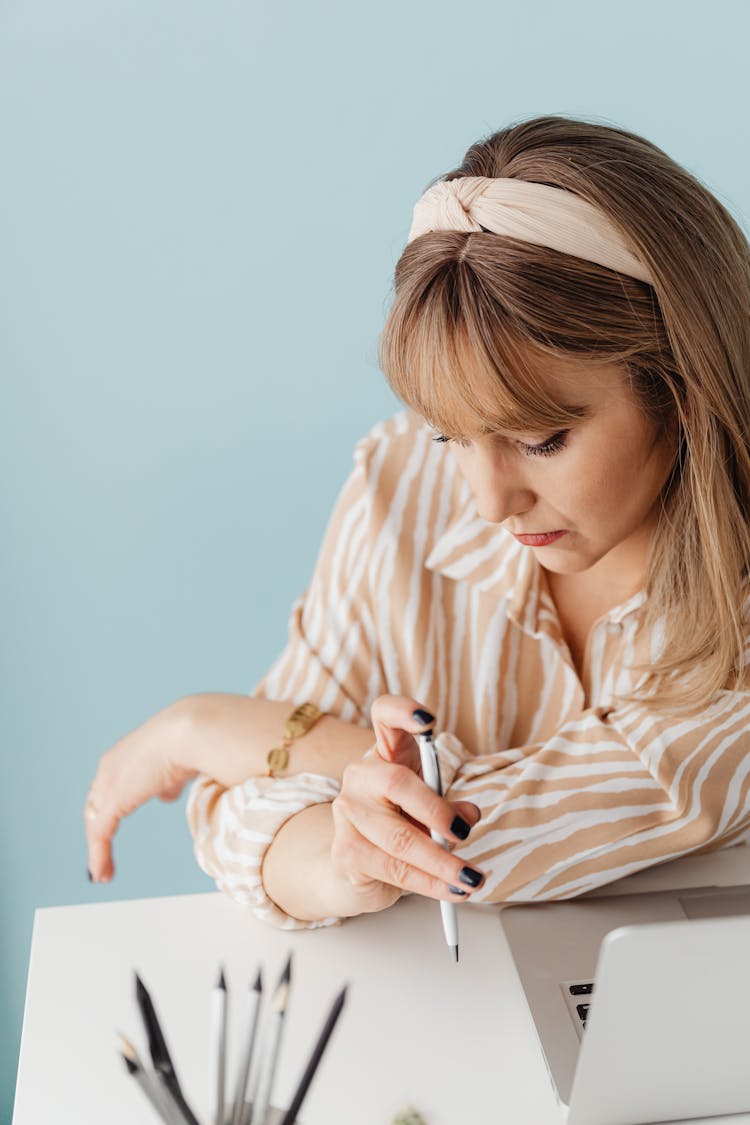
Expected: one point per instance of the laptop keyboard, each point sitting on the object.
(578, 1008)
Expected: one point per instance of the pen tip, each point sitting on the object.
(258, 986)
(455, 950)
(286, 976)
(222, 983)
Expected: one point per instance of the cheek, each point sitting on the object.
(595, 486)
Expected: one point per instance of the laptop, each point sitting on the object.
(641, 1000)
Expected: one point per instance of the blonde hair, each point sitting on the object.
(684, 343)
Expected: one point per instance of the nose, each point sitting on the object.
(498, 485)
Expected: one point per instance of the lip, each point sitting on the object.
(539, 540)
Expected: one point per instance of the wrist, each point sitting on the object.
(178, 737)
(228, 737)
(208, 739)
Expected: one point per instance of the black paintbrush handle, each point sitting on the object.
(312, 1066)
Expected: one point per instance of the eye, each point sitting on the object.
(548, 447)
(545, 449)
(456, 441)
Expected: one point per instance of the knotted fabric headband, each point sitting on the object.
(538, 213)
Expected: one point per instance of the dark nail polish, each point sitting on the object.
(470, 876)
(91, 877)
(456, 891)
(460, 828)
(423, 717)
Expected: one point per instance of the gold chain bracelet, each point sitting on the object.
(299, 722)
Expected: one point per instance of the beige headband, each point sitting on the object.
(538, 213)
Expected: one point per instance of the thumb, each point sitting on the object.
(396, 720)
(400, 753)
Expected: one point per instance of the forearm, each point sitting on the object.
(297, 872)
(230, 736)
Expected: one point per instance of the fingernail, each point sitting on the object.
(460, 828)
(456, 891)
(422, 716)
(91, 877)
(470, 876)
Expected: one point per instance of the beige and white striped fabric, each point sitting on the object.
(414, 594)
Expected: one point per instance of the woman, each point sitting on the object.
(570, 335)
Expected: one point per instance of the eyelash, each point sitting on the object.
(552, 445)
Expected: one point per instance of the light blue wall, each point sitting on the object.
(200, 208)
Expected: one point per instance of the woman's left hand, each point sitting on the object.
(382, 818)
(146, 763)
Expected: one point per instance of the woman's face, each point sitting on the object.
(601, 486)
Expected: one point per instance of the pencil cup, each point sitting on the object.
(273, 1115)
(160, 1084)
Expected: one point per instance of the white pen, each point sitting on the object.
(431, 777)
(251, 1027)
(267, 1069)
(217, 1056)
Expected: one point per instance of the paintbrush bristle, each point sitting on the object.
(126, 1047)
(128, 1054)
(281, 997)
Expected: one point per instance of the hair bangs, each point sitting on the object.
(459, 360)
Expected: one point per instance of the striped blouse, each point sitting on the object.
(413, 593)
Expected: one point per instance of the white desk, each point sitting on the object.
(456, 1041)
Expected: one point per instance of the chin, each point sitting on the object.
(556, 568)
(565, 565)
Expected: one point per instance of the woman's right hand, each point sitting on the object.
(138, 767)
(382, 818)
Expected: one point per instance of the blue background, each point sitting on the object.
(200, 210)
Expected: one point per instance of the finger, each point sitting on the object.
(398, 846)
(393, 834)
(374, 781)
(463, 809)
(395, 727)
(100, 830)
(362, 860)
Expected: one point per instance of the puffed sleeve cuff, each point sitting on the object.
(233, 828)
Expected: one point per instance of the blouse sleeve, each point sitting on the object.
(331, 659)
(614, 791)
